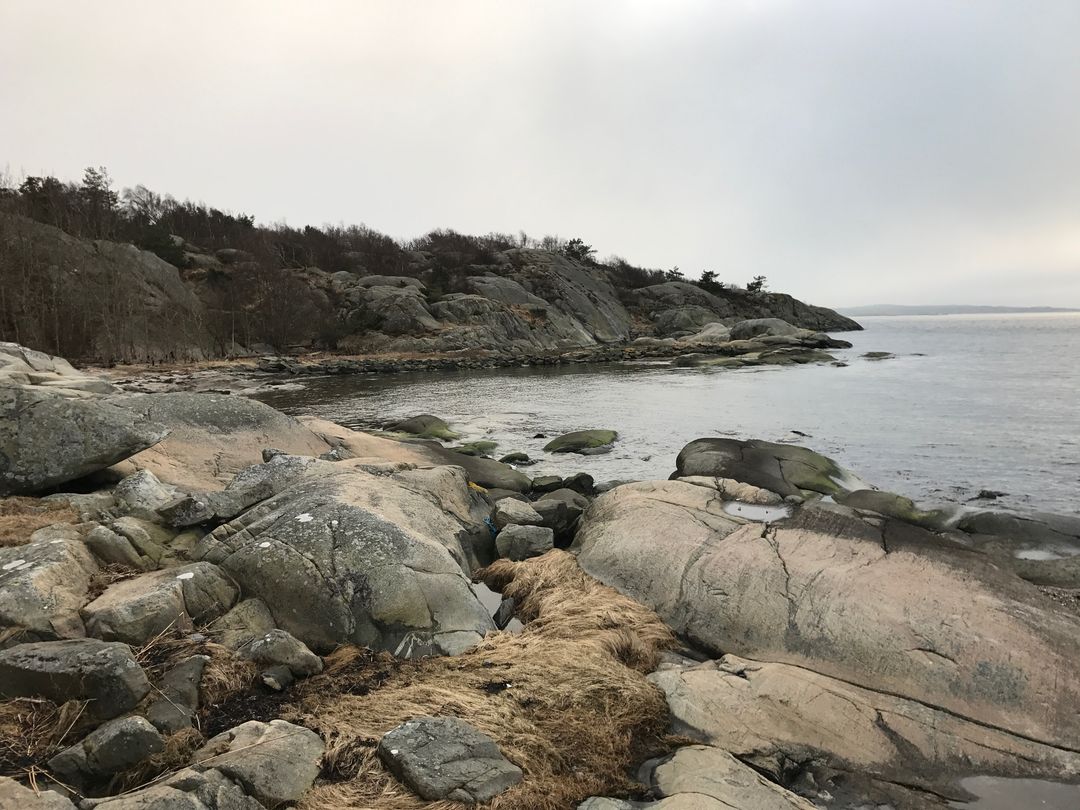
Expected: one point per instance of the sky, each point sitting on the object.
(854, 152)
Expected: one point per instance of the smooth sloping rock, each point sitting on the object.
(346, 556)
(782, 468)
(521, 542)
(13, 796)
(136, 610)
(44, 583)
(108, 749)
(511, 510)
(426, 426)
(707, 771)
(772, 714)
(104, 673)
(889, 607)
(275, 762)
(582, 441)
(279, 648)
(446, 758)
(212, 437)
(47, 439)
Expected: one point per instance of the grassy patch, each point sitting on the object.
(20, 517)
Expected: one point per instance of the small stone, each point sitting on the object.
(446, 758)
(521, 542)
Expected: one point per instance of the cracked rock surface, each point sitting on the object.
(446, 758)
(953, 659)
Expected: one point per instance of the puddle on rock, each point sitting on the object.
(492, 600)
(755, 512)
(1038, 554)
(997, 793)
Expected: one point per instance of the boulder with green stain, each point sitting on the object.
(482, 447)
(582, 441)
(426, 426)
(785, 469)
(895, 506)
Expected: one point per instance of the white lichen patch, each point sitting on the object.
(264, 544)
(12, 564)
(305, 518)
(186, 575)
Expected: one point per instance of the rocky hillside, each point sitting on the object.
(107, 301)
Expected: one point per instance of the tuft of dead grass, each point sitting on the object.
(566, 699)
(32, 730)
(20, 517)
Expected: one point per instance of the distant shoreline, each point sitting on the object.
(959, 309)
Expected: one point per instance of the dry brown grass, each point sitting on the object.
(32, 730)
(108, 575)
(566, 700)
(20, 517)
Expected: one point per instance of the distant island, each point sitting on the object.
(943, 309)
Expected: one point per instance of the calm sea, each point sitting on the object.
(967, 403)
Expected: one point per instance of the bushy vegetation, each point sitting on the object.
(258, 292)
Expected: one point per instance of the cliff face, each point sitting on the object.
(83, 297)
(132, 305)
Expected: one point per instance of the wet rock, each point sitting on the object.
(582, 441)
(175, 708)
(280, 648)
(104, 673)
(546, 483)
(521, 542)
(516, 458)
(426, 426)
(48, 439)
(446, 758)
(275, 762)
(782, 468)
(511, 510)
(579, 482)
(138, 609)
(477, 448)
(108, 749)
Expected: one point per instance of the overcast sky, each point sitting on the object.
(916, 151)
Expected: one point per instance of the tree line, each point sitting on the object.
(262, 299)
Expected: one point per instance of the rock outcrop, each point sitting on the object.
(854, 639)
(343, 556)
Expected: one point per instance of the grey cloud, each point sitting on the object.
(854, 152)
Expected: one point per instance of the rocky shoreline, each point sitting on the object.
(767, 341)
(208, 605)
